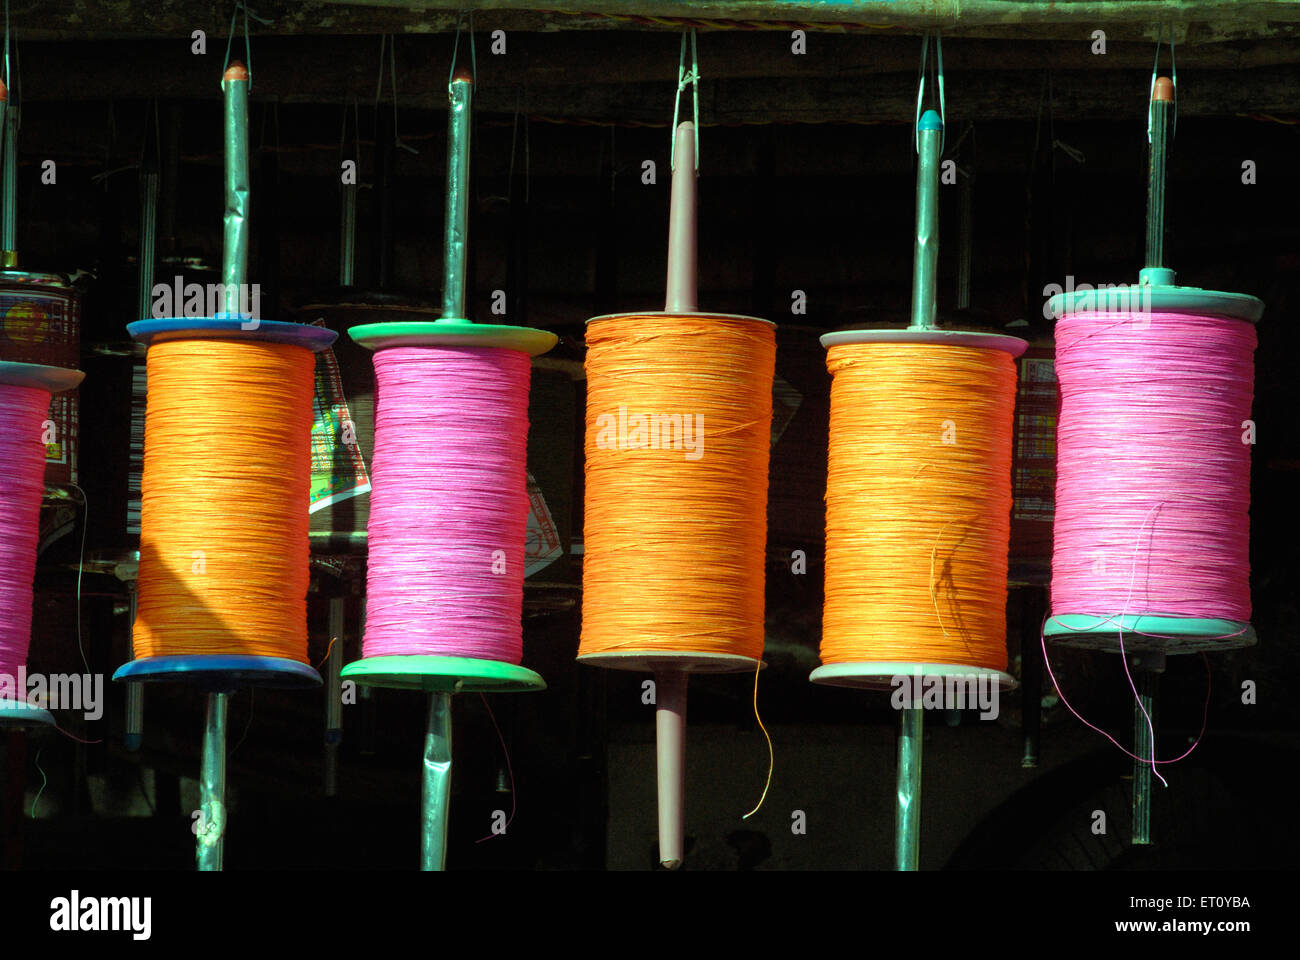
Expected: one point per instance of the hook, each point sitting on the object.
(685, 77)
(920, 90)
(473, 58)
(1173, 69)
(248, 43)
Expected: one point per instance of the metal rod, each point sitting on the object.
(925, 264)
(682, 296)
(670, 756)
(1162, 97)
(212, 785)
(9, 224)
(386, 165)
(436, 794)
(234, 253)
(7, 198)
(334, 696)
(460, 96)
(348, 235)
(171, 171)
(1031, 673)
(134, 691)
(148, 242)
(907, 823)
(1144, 706)
(966, 239)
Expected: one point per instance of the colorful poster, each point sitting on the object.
(338, 471)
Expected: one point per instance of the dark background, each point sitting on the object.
(806, 183)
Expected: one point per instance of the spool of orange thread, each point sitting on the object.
(918, 502)
(918, 505)
(679, 415)
(679, 409)
(223, 545)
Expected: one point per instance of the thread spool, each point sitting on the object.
(917, 505)
(25, 392)
(679, 411)
(437, 349)
(223, 548)
(446, 562)
(685, 366)
(1153, 477)
(40, 323)
(448, 506)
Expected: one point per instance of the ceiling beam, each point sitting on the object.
(630, 79)
(1193, 22)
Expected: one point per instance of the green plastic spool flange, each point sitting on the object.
(1143, 631)
(452, 333)
(443, 674)
(1156, 292)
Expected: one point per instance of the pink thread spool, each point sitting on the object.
(25, 391)
(449, 506)
(1151, 534)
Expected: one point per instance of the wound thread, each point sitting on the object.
(227, 461)
(918, 503)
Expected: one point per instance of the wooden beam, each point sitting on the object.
(631, 79)
(1193, 21)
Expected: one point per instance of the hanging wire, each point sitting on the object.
(351, 102)
(473, 58)
(920, 89)
(388, 46)
(157, 137)
(1173, 70)
(685, 77)
(248, 43)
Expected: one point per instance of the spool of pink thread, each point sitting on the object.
(1151, 533)
(449, 505)
(25, 390)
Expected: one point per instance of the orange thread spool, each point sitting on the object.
(227, 464)
(918, 504)
(674, 543)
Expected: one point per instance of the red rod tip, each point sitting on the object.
(236, 71)
(462, 75)
(1164, 89)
